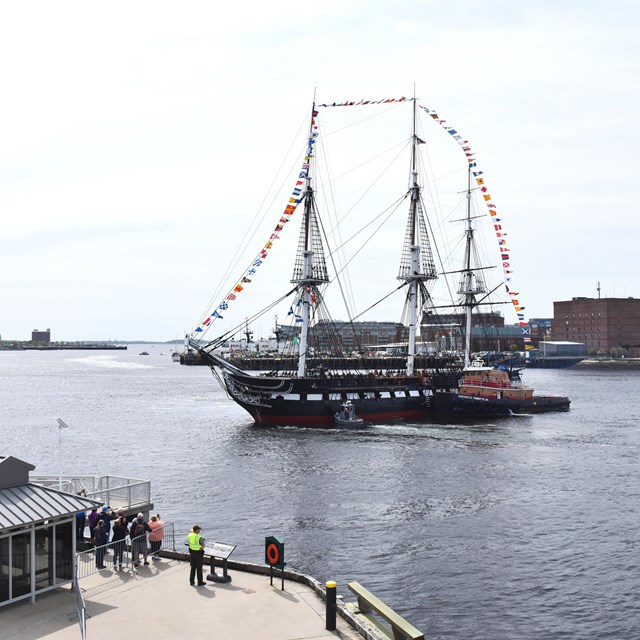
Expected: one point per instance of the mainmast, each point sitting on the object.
(310, 269)
(417, 263)
(470, 285)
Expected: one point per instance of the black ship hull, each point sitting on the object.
(447, 404)
(315, 401)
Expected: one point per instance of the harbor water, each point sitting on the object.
(520, 528)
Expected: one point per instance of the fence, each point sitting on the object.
(91, 561)
(82, 609)
(116, 491)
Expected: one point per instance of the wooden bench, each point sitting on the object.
(368, 603)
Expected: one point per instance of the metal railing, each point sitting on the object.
(89, 562)
(115, 491)
(82, 609)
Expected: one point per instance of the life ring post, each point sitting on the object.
(274, 556)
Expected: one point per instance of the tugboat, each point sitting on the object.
(347, 417)
(492, 392)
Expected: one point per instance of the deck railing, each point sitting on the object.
(116, 491)
(82, 608)
(87, 561)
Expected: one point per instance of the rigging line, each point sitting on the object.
(244, 243)
(437, 247)
(375, 304)
(391, 212)
(252, 318)
(391, 209)
(498, 286)
(362, 120)
(402, 144)
(334, 232)
(375, 181)
(333, 210)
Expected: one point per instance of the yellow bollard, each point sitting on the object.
(331, 605)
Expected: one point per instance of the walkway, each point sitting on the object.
(158, 603)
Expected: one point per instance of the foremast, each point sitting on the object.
(310, 270)
(417, 265)
(471, 284)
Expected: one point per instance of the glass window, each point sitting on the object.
(21, 578)
(64, 552)
(44, 557)
(4, 568)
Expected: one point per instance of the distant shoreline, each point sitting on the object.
(609, 363)
(64, 347)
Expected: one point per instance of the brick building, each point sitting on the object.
(603, 324)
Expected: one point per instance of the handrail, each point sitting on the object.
(401, 629)
(82, 607)
(86, 565)
(116, 491)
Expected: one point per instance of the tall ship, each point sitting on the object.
(314, 374)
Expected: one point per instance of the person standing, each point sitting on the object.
(138, 534)
(81, 523)
(118, 541)
(106, 515)
(101, 540)
(157, 534)
(196, 555)
(81, 519)
(93, 520)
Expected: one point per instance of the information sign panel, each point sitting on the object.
(219, 550)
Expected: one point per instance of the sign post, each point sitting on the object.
(274, 556)
(223, 551)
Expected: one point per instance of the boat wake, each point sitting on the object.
(110, 362)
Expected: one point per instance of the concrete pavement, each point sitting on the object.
(159, 603)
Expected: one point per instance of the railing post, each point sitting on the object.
(331, 605)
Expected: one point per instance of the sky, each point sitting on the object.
(138, 141)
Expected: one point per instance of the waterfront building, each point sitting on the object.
(344, 337)
(605, 325)
(540, 328)
(41, 336)
(37, 533)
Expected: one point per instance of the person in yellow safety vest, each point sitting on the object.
(196, 554)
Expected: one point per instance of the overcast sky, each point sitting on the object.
(138, 139)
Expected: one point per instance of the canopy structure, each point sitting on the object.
(37, 533)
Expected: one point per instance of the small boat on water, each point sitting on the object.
(175, 356)
(347, 416)
(144, 353)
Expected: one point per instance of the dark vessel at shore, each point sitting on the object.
(311, 390)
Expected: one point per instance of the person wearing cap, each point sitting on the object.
(106, 515)
(196, 554)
